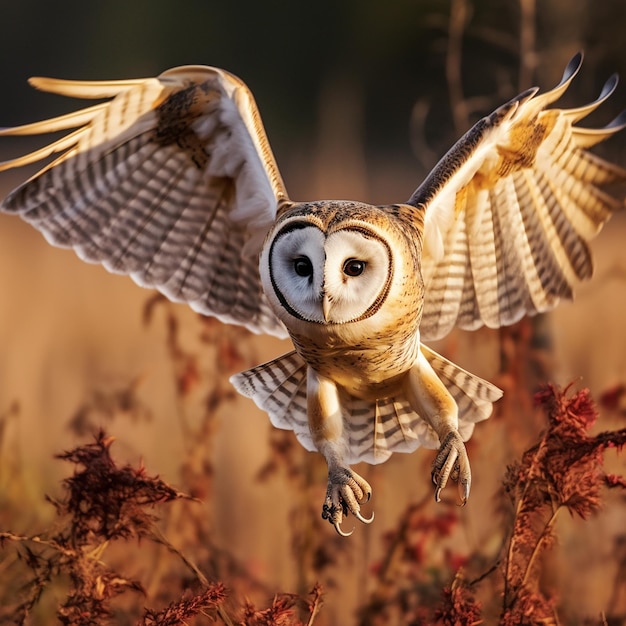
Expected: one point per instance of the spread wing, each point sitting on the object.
(171, 181)
(510, 209)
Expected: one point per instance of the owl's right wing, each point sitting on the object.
(509, 211)
(171, 181)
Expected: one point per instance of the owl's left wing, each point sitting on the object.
(510, 209)
(171, 181)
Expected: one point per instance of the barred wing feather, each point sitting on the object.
(172, 182)
(509, 212)
(279, 388)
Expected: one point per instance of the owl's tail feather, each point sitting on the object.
(373, 430)
(473, 395)
(278, 387)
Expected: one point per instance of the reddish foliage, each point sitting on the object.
(458, 607)
(284, 610)
(614, 480)
(106, 501)
(88, 600)
(184, 609)
(530, 609)
(565, 470)
(614, 398)
(408, 584)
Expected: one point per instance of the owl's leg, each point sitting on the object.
(346, 489)
(433, 402)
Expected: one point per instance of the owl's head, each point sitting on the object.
(327, 264)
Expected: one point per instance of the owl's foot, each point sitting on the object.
(346, 492)
(452, 462)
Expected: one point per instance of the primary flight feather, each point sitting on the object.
(173, 182)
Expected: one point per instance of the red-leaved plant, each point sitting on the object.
(564, 471)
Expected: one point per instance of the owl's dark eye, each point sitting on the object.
(302, 266)
(353, 267)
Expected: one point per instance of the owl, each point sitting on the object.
(172, 181)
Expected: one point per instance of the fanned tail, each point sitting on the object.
(373, 430)
(473, 395)
(279, 388)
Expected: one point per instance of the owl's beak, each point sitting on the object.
(326, 306)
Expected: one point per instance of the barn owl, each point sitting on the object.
(172, 181)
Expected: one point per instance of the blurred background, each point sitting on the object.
(359, 100)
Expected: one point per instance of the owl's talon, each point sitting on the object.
(341, 532)
(438, 494)
(452, 462)
(346, 490)
(335, 516)
(464, 491)
(365, 520)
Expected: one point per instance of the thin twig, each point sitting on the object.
(545, 533)
(158, 537)
(317, 605)
(520, 503)
(485, 574)
(50, 543)
(224, 616)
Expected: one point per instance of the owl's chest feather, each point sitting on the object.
(367, 368)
